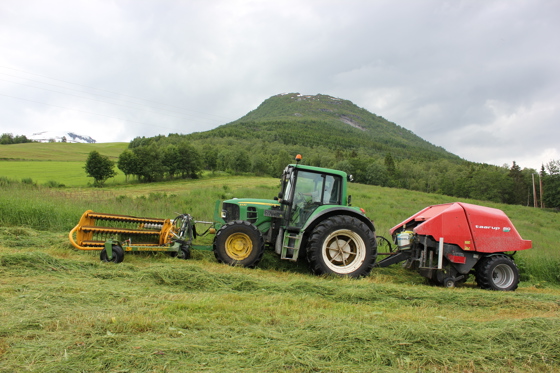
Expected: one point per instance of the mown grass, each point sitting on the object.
(64, 311)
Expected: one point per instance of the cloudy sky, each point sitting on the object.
(480, 78)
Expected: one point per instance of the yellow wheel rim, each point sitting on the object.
(239, 246)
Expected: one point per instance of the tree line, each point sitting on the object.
(9, 138)
(178, 156)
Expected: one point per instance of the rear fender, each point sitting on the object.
(321, 215)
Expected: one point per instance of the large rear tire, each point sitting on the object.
(342, 245)
(239, 243)
(497, 273)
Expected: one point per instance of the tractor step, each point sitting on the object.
(290, 246)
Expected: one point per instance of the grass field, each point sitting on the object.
(58, 151)
(62, 310)
(70, 174)
(60, 163)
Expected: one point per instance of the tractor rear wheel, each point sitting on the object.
(239, 243)
(118, 255)
(497, 273)
(342, 245)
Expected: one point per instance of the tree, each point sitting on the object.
(376, 174)
(189, 160)
(128, 163)
(552, 184)
(170, 160)
(100, 167)
(6, 139)
(210, 156)
(390, 164)
(149, 162)
(519, 188)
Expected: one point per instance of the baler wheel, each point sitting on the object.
(449, 283)
(342, 245)
(497, 273)
(239, 243)
(118, 255)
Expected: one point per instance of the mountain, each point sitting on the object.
(322, 120)
(60, 136)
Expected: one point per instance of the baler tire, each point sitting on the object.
(497, 272)
(325, 254)
(118, 255)
(239, 243)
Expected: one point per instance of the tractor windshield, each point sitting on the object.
(310, 190)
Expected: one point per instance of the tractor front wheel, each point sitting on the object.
(342, 245)
(239, 243)
(497, 273)
(118, 255)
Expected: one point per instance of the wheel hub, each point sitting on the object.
(503, 276)
(239, 246)
(344, 251)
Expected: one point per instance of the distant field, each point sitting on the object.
(58, 151)
(60, 162)
(68, 173)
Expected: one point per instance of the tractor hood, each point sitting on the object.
(253, 202)
(249, 209)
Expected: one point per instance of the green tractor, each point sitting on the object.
(311, 217)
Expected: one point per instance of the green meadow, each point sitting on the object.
(58, 151)
(69, 174)
(62, 310)
(54, 163)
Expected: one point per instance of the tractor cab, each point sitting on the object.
(305, 189)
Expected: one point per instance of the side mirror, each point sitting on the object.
(350, 178)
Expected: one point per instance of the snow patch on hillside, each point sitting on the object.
(61, 136)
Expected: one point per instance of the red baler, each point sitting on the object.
(445, 243)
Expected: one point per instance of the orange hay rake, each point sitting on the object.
(115, 234)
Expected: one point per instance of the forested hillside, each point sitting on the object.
(325, 121)
(335, 133)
